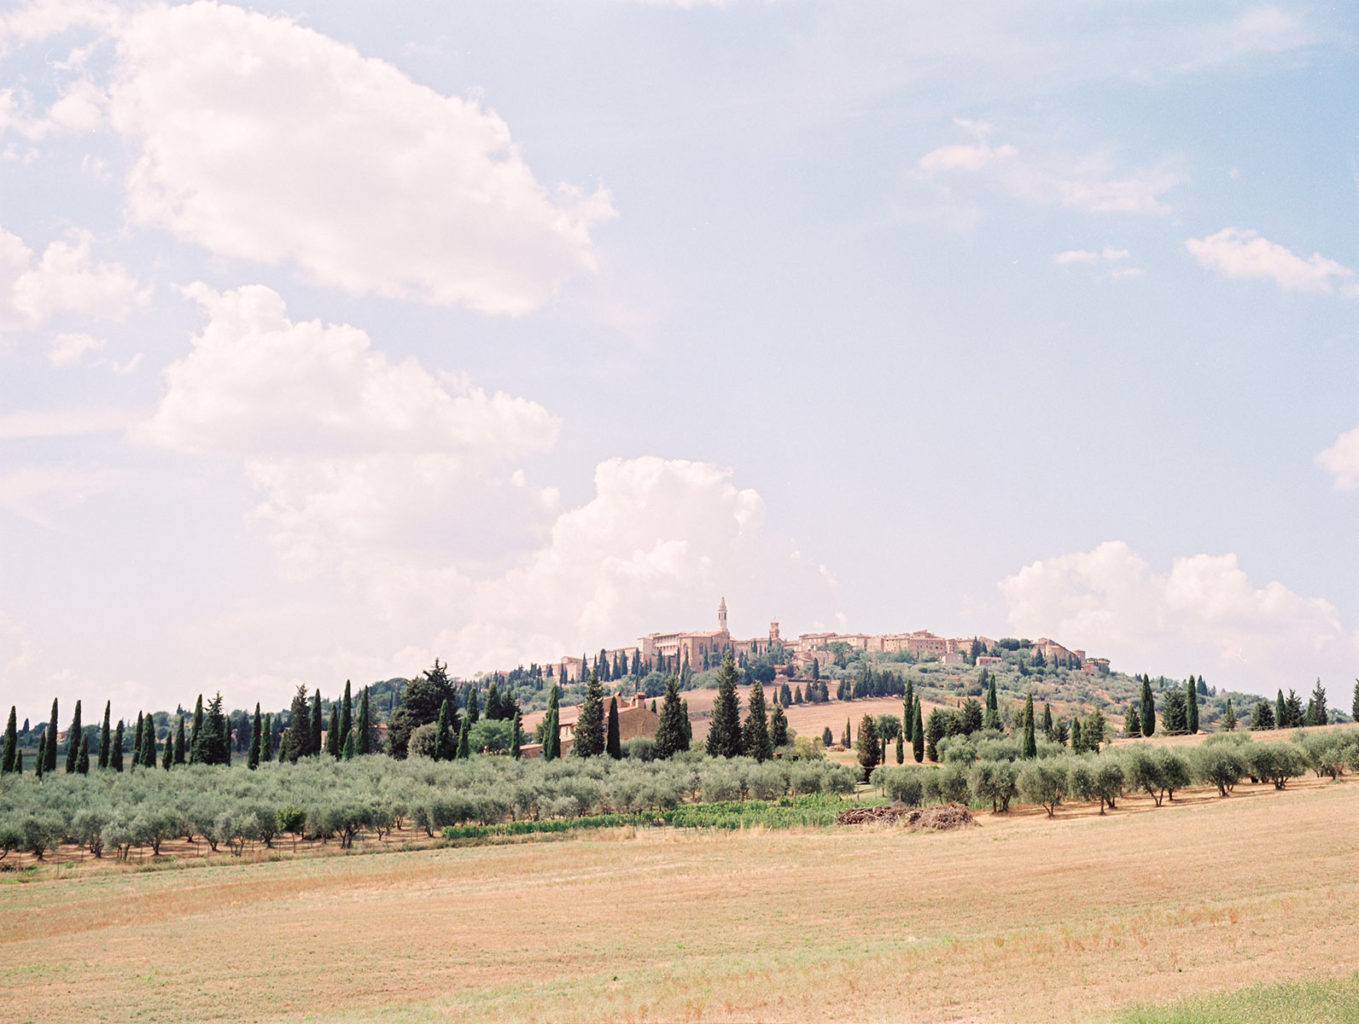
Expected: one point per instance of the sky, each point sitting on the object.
(340, 337)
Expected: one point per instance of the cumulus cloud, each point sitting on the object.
(359, 459)
(266, 141)
(1108, 263)
(1241, 254)
(1090, 183)
(1341, 460)
(1203, 616)
(64, 282)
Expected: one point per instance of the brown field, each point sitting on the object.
(1023, 919)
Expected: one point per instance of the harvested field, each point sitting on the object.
(1026, 919)
(941, 818)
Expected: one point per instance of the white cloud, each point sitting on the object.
(263, 140)
(1341, 460)
(1203, 616)
(1241, 254)
(39, 493)
(1109, 263)
(1090, 183)
(42, 19)
(64, 282)
(366, 466)
(1260, 30)
(66, 349)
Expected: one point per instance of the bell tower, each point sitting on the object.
(722, 615)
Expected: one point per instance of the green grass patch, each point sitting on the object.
(1321, 1001)
(812, 811)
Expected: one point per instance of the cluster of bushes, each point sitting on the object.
(987, 770)
(114, 813)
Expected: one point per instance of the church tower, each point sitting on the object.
(722, 615)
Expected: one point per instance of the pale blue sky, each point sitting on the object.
(496, 331)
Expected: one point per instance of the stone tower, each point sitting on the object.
(722, 615)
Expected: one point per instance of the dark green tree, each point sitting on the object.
(266, 740)
(73, 740)
(348, 752)
(474, 706)
(363, 741)
(167, 757)
(516, 732)
(1095, 728)
(195, 745)
(1191, 703)
(82, 761)
(671, 736)
(1132, 724)
(464, 740)
(778, 728)
(346, 717)
(1229, 717)
(104, 738)
(40, 762)
(180, 754)
(552, 742)
(901, 747)
(116, 749)
(1030, 748)
(589, 733)
(137, 740)
(317, 723)
(1320, 717)
(445, 743)
(1047, 721)
(49, 762)
(1147, 712)
(908, 711)
(1354, 705)
(1175, 713)
(613, 746)
(867, 746)
(420, 703)
(917, 734)
(1294, 711)
(755, 731)
(724, 732)
(252, 760)
(297, 740)
(148, 751)
(333, 731)
(1262, 716)
(7, 759)
(1280, 712)
(1077, 737)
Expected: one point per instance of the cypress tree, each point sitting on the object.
(346, 717)
(755, 736)
(464, 740)
(445, 746)
(1030, 750)
(266, 739)
(116, 749)
(917, 735)
(1229, 717)
(844, 736)
(901, 747)
(1147, 712)
(516, 731)
(908, 712)
(1354, 706)
(137, 741)
(552, 743)
(40, 762)
(1191, 697)
(168, 756)
(333, 733)
(670, 734)
(73, 741)
(49, 763)
(589, 734)
(474, 705)
(363, 744)
(19, 761)
(613, 746)
(149, 743)
(348, 752)
(11, 744)
(866, 745)
(1132, 724)
(724, 734)
(1280, 712)
(195, 741)
(314, 744)
(104, 738)
(1047, 721)
(1077, 737)
(180, 753)
(297, 737)
(252, 760)
(778, 728)
(688, 725)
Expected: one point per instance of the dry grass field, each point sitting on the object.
(1022, 919)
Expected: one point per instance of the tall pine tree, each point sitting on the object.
(724, 734)
(613, 746)
(589, 734)
(195, 740)
(73, 741)
(755, 733)
(104, 738)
